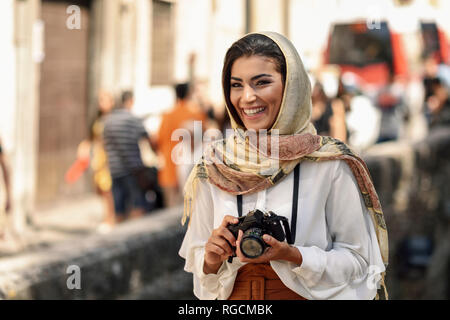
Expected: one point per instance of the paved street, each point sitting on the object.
(69, 219)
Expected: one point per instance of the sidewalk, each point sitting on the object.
(137, 260)
(71, 219)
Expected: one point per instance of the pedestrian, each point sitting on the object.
(438, 106)
(339, 238)
(7, 187)
(91, 151)
(394, 112)
(183, 115)
(436, 82)
(122, 134)
(328, 115)
(362, 117)
(99, 163)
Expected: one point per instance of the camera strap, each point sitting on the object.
(294, 203)
(239, 204)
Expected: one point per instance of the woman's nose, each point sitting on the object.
(249, 94)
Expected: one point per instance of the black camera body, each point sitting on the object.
(256, 224)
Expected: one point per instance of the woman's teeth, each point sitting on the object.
(251, 112)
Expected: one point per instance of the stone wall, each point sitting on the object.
(139, 260)
(412, 182)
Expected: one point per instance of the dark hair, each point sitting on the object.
(318, 93)
(182, 90)
(252, 44)
(126, 96)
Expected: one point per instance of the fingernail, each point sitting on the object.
(266, 237)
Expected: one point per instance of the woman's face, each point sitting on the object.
(105, 101)
(256, 91)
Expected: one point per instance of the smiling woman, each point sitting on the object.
(338, 244)
(256, 96)
(253, 79)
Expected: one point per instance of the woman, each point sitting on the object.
(331, 205)
(328, 115)
(93, 149)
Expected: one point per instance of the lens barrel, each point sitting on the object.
(252, 244)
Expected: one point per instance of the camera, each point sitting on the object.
(256, 224)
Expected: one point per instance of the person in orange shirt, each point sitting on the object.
(183, 115)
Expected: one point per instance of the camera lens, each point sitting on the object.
(252, 245)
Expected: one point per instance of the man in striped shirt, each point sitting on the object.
(122, 133)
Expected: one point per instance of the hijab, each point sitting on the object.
(245, 163)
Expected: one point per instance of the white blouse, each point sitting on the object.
(335, 235)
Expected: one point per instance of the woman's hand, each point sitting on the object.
(277, 251)
(218, 248)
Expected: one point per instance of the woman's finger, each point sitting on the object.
(271, 241)
(225, 233)
(240, 235)
(222, 230)
(229, 220)
(213, 248)
(239, 253)
(222, 243)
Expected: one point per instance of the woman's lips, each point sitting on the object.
(254, 112)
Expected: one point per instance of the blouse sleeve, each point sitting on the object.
(201, 225)
(354, 252)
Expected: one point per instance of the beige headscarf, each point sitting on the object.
(244, 163)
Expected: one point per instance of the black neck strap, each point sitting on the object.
(294, 202)
(239, 204)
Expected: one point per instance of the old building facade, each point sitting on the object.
(57, 54)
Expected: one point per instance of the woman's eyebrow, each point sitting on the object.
(260, 76)
(253, 78)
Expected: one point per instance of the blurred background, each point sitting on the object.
(380, 76)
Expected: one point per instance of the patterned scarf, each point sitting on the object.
(245, 163)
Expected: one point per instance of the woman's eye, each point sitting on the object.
(235, 85)
(262, 82)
